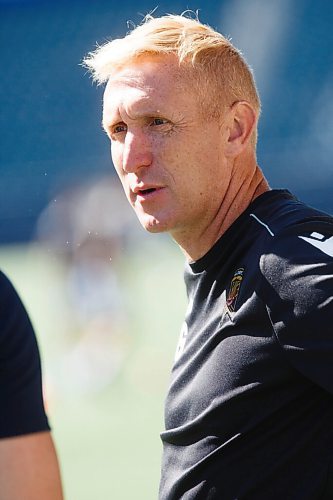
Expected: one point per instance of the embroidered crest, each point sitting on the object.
(234, 288)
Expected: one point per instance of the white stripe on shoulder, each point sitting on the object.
(317, 240)
(263, 224)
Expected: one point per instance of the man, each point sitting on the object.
(250, 409)
(28, 464)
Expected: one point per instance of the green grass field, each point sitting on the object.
(107, 437)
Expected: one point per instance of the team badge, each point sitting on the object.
(234, 288)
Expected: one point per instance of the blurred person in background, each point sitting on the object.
(89, 229)
(28, 463)
(249, 411)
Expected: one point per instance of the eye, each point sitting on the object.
(158, 121)
(119, 128)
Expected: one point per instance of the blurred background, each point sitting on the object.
(107, 300)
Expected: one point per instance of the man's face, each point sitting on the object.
(168, 155)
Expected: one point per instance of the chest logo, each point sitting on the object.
(234, 289)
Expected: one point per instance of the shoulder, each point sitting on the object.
(14, 320)
(20, 371)
(7, 289)
(279, 212)
(306, 245)
(299, 257)
(289, 233)
(297, 282)
(297, 290)
(295, 245)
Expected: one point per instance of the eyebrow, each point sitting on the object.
(110, 119)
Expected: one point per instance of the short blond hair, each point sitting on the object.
(217, 69)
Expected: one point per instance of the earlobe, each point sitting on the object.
(243, 121)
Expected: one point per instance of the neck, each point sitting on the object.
(241, 192)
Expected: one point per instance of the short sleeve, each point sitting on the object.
(21, 402)
(297, 276)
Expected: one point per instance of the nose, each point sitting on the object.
(137, 152)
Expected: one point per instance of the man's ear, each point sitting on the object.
(243, 120)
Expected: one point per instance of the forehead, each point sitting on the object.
(149, 80)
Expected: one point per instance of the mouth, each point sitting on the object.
(145, 193)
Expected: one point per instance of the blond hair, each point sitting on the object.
(217, 69)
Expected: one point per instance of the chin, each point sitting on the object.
(153, 225)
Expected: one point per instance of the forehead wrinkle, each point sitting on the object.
(135, 82)
(130, 89)
(132, 110)
(142, 102)
(147, 76)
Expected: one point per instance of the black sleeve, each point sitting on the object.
(298, 286)
(21, 402)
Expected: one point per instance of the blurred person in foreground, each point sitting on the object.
(249, 412)
(28, 464)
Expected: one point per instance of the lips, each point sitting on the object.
(146, 189)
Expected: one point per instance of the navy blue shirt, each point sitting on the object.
(249, 413)
(21, 403)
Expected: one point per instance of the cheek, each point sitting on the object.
(116, 156)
